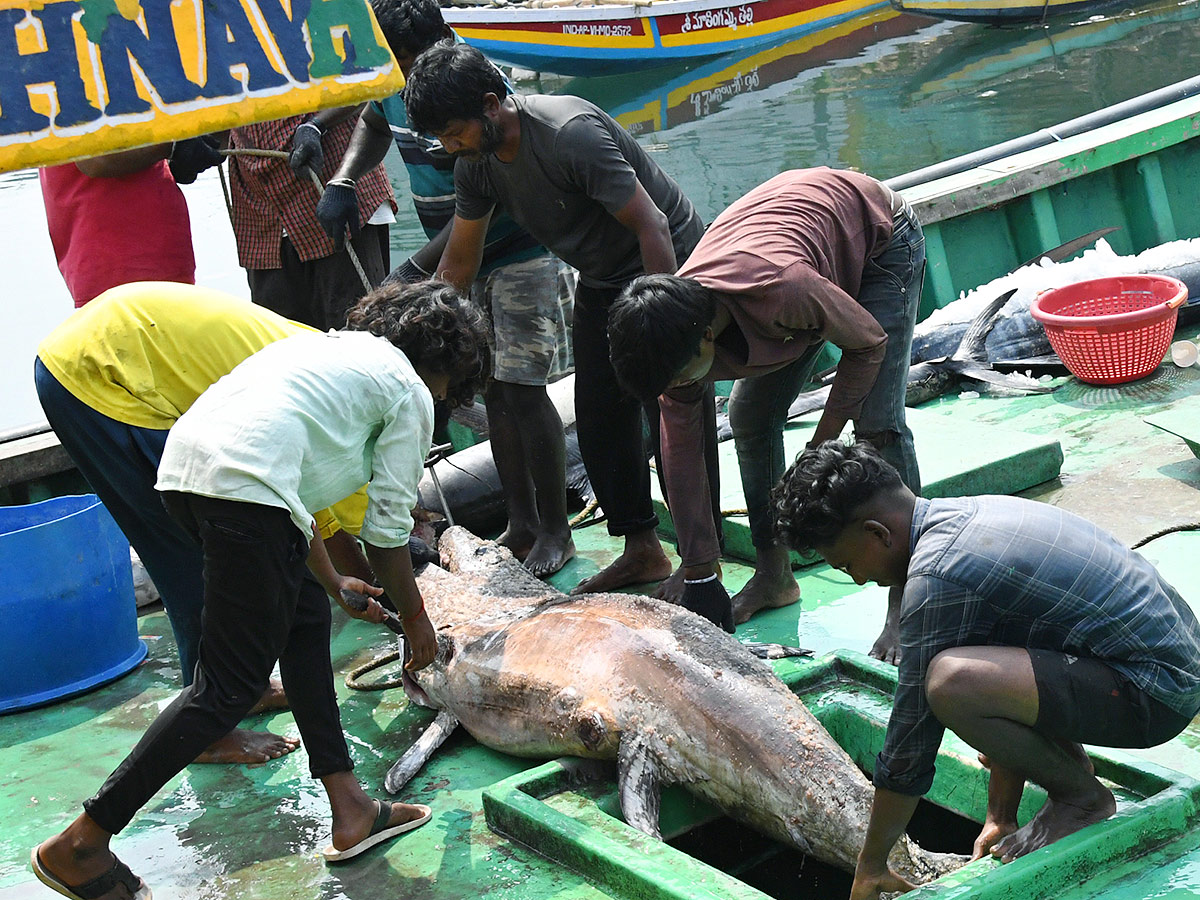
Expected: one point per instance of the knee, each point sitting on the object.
(947, 685)
(750, 426)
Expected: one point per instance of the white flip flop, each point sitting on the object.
(380, 832)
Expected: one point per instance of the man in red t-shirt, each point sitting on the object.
(121, 217)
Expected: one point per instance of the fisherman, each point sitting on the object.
(1026, 630)
(121, 217)
(579, 183)
(526, 291)
(304, 421)
(111, 403)
(292, 267)
(812, 255)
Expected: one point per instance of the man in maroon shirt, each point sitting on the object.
(812, 255)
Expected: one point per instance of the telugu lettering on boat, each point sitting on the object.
(705, 101)
(718, 18)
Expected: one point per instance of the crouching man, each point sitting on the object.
(1024, 629)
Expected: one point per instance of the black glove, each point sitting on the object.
(191, 157)
(307, 154)
(408, 272)
(711, 600)
(338, 210)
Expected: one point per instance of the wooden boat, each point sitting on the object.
(656, 102)
(1000, 12)
(609, 37)
(1130, 166)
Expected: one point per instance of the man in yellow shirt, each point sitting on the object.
(112, 380)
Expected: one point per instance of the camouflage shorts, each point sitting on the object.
(529, 305)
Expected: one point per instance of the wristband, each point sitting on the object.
(313, 125)
(341, 182)
(420, 610)
(712, 577)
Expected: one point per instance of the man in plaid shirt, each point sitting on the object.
(1024, 629)
(294, 268)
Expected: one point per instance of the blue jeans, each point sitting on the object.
(891, 292)
(120, 462)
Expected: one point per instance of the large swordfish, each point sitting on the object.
(669, 696)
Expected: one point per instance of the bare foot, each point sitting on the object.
(671, 589)
(991, 834)
(273, 698)
(550, 553)
(519, 540)
(242, 746)
(350, 829)
(764, 591)
(639, 566)
(887, 645)
(1055, 820)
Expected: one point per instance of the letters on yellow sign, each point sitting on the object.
(83, 77)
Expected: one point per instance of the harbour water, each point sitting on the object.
(885, 94)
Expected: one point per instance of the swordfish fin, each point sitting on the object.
(419, 753)
(639, 782)
(973, 345)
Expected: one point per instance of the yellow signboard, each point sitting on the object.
(85, 77)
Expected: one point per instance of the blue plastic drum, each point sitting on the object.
(66, 601)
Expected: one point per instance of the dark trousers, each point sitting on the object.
(120, 462)
(319, 292)
(610, 424)
(258, 608)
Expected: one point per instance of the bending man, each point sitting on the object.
(812, 255)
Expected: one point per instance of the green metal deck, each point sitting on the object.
(255, 832)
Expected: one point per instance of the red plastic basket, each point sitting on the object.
(1111, 330)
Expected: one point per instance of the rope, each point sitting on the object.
(591, 507)
(283, 154)
(378, 662)
(1191, 526)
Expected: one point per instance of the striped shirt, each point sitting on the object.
(1003, 571)
(270, 200)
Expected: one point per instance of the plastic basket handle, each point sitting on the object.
(1176, 302)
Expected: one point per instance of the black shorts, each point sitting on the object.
(1084, 700)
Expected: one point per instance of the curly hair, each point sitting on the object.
(411, 26)
(436, 328)
(654, 328)
(824, 489)
(449, 82)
